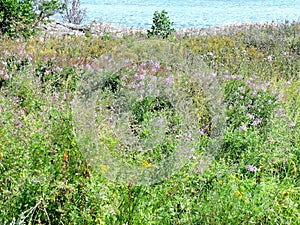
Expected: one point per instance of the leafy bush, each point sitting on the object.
(162, 26)
(20, 17)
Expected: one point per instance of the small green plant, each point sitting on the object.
(162, 26)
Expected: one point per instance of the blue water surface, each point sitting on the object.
(191, 13)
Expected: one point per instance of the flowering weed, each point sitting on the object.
(146, 109)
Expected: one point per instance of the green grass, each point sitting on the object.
(251, 176)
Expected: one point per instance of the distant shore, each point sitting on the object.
(100, 28)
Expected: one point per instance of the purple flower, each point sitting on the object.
(242, 128)
(250, 116)
(157, 65)
(229, 77)
(257, 121)
(89, 67)
(241, 89)
(288, 82)
(252, 168)
(160, 121)
(153, 78)
(280, 112)
(202, 131)
(254, 94)
(19, 124)
(250, 80)
(239, 77)
(153, 70)
(142, 77)
(292, 124)
(170, 80)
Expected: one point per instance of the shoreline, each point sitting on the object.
(100, 28)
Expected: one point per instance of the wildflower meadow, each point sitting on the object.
(190, 129)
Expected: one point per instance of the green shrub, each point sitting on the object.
(162, 26)
(20, 17)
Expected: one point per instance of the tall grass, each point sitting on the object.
(150, 104)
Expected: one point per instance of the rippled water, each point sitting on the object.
(191, 13)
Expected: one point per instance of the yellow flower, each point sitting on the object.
(147, 164)
(103, 168)
(239, 194)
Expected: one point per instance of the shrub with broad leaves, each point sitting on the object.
(20, 18)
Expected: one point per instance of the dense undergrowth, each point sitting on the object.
(254, 175)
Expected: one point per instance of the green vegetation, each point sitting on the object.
(252, 178)
(162, 26)
(20, 18)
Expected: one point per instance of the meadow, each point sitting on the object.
(77, 112)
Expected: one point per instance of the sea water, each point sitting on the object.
(191, 13)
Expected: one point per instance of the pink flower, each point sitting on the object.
(292, 124)
(170, 80)
(202, 131)
(257, 121)
(88, 66)
(242, 128)
(239, 77)
(160, 121)
(252, 168)
(250, 116)
(241, 89)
